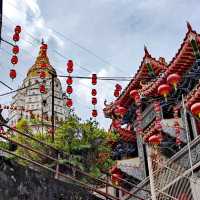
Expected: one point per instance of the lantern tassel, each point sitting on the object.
(175, 86)
(165, 96)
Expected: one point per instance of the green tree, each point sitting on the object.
(83, 144)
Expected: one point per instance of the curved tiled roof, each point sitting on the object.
(180, 63)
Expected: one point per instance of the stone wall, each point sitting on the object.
(22, 183)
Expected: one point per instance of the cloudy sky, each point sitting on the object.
(102, 36)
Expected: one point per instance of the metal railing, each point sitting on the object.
(93, 188)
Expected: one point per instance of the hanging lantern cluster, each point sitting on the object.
(165, 89)
(15, 51)
(177, 126)
(157, 110)
(118, 89)
(69, 81)
(22, 109)
(42, 73)
(156, 139)
(94, 93)
(11, 107)
(136, 97)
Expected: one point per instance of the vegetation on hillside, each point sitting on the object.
(82, 144)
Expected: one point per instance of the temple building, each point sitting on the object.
(35, 100)
(157, 119)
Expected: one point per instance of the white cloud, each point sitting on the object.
(114, 30)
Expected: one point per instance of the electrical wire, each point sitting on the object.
(70, 40)
(6, 85)
(22, 88)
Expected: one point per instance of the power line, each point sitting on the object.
(72, 41)
(6, 85)
(19, 89)
(85, 49)
(58, 53)
(54, 50)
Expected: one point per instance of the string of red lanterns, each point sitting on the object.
(177, 126)
(22, 109)
(94, 93)
(136, 97)
(42, 73)
(157, 110)
(15, 51)
(69, 81)
(156, 138)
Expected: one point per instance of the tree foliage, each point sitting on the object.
(83, 144)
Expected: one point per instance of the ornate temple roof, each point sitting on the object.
(42, 61)
(142, 80)
(180, 63)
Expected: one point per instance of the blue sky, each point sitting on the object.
(114, 30)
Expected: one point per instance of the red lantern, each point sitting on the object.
(195, 109)
(94, 100)
(42, 89)
(164, 90)
(42, 74)
(94, 92)
(69, 89)
(116, 93)
(121, 111)
(69, 103)
(116, 178)
(18, 29)
(155, 139)
(135, 95)
(94, 79)
(14, 60)
(69, 80)
(13, 73)
(15, 49)
(16, 37)
(94, 113)
(173, 79)
(70, 65)
(118, 87)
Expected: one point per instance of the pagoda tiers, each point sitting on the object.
(157, 106)
(30, 103)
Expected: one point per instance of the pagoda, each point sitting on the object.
(157, 119)
(30, 103)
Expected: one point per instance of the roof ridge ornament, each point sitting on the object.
(189, 26)
(146, 51)
(42, 42)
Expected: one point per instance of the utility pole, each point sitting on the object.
(52, 105)
(1, 14)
